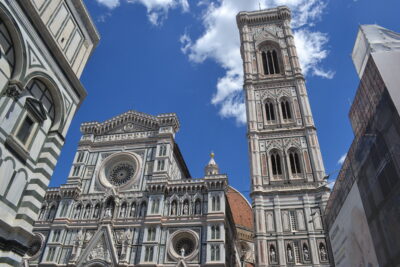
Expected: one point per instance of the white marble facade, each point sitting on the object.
(44, 46)
(130, 201)
(289, 192)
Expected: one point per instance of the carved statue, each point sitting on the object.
(133, 210)
(173, 208)
(322, 251)
(290, 253)
(272, 254)
(198, 207)
(182, 252)
(108, 213)
(96, 212)
(306, 253)
(185, 208)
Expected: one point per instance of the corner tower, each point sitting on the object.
(288, 191)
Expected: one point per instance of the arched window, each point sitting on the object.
(275, 59)
(151, 234)
(40, 92)
(270, 61)
(286, 111)
(215, 232)
(155, 206)
(294, 162)
(264, 62)
(269, 111)
(276, 163)
(149, 251)
(216, 203)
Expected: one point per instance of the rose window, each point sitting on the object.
(121, 173)
(120, 170)
(184, 246)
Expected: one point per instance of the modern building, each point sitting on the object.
(130, 200)
(363, 210)
(44, 46)
(288, 188)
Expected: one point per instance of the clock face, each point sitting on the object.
(121, 173)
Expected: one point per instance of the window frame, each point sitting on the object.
(33, 131)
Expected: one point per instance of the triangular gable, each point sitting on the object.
(101, 248)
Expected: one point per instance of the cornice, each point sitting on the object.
(152, 123)
(263, 16)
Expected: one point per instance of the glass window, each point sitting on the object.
(25, 130)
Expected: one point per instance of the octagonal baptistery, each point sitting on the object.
(130, 200)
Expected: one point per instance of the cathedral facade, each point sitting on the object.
(130, 200)
(289, 192)
(44, 46)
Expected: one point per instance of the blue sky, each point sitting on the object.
(182, 56)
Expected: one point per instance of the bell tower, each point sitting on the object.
(288, 191)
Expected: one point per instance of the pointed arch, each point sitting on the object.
(295, 161)
(270, 57)
(286, 108)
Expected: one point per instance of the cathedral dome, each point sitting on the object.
(241, 209)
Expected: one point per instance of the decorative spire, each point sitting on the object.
(212, 166)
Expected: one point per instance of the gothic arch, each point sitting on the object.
(286, 108)
(269, 57)
(295, 159)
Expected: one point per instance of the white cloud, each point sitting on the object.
(157, 10)
(220, 42)
(342, 159)
(111, 4)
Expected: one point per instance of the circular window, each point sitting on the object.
(184, 247)
(119, 170)
(121, 173)
(183, 244)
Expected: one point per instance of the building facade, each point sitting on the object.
(44, 46)
(288, 187)
(363, 210)
(129, 200)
